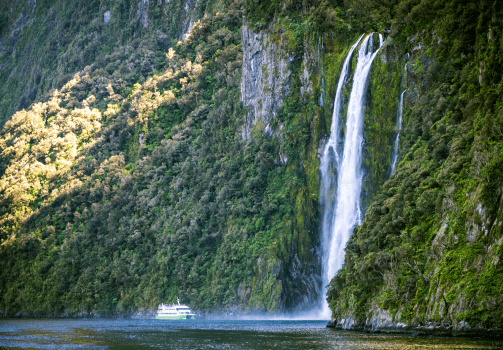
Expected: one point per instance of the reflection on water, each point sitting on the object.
(208, 334)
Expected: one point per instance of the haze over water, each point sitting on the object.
(208, 334)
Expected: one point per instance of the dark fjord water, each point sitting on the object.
(207, 334)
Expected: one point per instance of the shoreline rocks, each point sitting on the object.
(462, 329)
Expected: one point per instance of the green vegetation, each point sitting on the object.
(51, 40)
(124, 190)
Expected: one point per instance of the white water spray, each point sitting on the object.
(395, 151)
(344, 178)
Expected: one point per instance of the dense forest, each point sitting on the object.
(155, 150)
(131, 185)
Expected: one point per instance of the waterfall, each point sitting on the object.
(341, 176)
(399, 119)
(328, 168)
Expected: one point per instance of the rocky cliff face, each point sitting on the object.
(264, 81)
(269, 73)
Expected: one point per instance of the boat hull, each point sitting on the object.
(179, 317)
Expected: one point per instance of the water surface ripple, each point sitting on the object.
(208, 334)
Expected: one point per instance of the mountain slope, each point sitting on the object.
(116, 197)
(429, 250)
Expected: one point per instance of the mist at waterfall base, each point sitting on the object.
(340, 167)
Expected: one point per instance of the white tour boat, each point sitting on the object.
(174, 312)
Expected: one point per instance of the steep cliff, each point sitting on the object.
(426, 259)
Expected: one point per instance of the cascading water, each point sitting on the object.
(328, 167)
(395, 150)
(341, 181)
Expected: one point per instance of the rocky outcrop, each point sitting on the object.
(189, 9)
(264, 80)
(302, 284)
(142, 13)
(382, 321)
